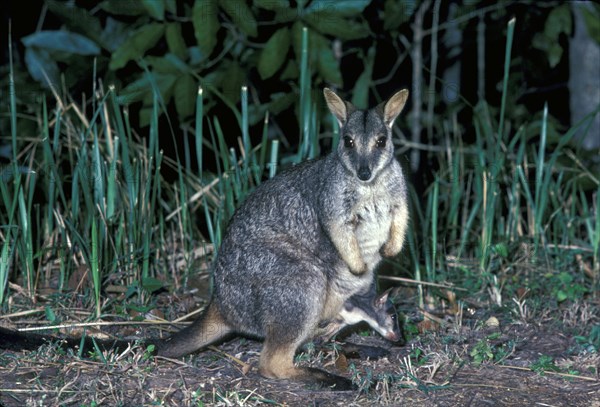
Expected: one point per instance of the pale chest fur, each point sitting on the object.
(372, 216)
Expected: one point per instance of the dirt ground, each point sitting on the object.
(481, 360)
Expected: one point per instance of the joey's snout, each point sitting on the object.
(364, 173)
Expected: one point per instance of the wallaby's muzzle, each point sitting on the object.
(364, 173)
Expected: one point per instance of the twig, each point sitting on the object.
(22, 313)
(93, 324)
(572, 376)
(417, 63)
(245, 366)
(411, 281)
(433, 70)
(481, 57)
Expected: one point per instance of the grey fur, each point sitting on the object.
(376, 310)
(305, 242)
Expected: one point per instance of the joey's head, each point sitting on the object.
(365, 146)
(386, 318)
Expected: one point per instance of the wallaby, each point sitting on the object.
(376, 310)
(306, 241)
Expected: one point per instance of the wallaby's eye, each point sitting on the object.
(348, 142)
(381, 142)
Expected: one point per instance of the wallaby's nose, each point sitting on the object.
(364, 173)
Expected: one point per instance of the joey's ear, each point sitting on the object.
(340, 108)
(393, 107)
(381, 300)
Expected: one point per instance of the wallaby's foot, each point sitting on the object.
(277, 362)
(313, 377)
(325, 380)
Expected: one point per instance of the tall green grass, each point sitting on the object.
(89, 195)
(511, 189)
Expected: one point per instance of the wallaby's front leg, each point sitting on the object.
(344, 239)
(397, 232)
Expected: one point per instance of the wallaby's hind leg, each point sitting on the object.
(277, 362)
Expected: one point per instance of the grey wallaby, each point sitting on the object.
(306, 241)
(376, 310)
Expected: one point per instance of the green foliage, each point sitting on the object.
(564, 287)
(482, 352)
(149, 352)
(592, 339)
(591, 16)
(559, 22)
(232, 39)
(486, 350)
(274, 54)
(544, 364)
(502, 179)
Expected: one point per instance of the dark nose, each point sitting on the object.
(364, 173)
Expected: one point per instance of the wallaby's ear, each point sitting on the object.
(394, 106)
(337, 106)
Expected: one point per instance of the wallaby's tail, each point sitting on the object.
(208, 328)
(19, 341)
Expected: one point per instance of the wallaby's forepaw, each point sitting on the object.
(391, 248)
(359, 268)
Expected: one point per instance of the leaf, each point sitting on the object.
(234, 77)
(332, 24)
(114, 34)
(206, 24)
(151, 284)
(327, 65)
(241, 15)
(168, 64)
(184, 92)
(278, 103)
(274, 54)
(156, 8)
(360, 97)
(136, 45)
(78, 19)
(175, 40)
(50, 315)
(165, 83)
(171, 6)
(396, 13)
(63, 41)
(41, 66)
(344, 8)
(558, 21)
(320, 54)
(591, 16)
(124, 8)
(135, 91)
(561, 296)
(554, 54)
(273, 5)
(290, 71)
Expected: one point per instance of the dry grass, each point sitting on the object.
(437, 367)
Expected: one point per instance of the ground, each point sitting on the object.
(503, 356)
